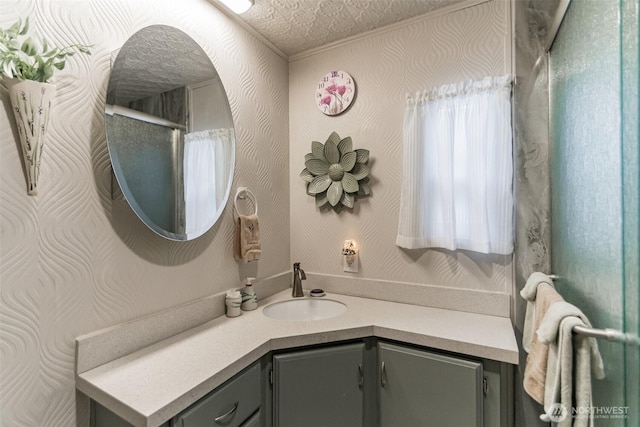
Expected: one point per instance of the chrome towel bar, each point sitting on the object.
(612, 335)
(608, 334)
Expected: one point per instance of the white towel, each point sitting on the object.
(529, 292)
(572, 361)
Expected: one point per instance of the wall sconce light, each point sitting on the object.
(350, 256)
(238, 6)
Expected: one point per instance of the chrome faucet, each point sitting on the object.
(298, 277)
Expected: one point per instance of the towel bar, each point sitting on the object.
(608, 334)
(612, 335)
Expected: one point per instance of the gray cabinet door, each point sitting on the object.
(319, 387)
(420, 388)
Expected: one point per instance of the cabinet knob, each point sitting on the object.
(222, 419)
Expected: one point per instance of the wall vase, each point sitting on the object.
(31, 102)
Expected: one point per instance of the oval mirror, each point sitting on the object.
(170, 132)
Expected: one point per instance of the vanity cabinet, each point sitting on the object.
(383, 384)
(319, 387)
(368, 383)
(235, 404)
(423, 388)
(427, 388)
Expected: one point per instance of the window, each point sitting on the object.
(458, 168)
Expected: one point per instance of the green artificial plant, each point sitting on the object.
(30, 59)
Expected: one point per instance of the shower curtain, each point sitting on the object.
(205, 155)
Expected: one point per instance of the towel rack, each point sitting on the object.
(608, 334)
(244, 193)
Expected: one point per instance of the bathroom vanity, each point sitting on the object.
(377, 364)
(379, 383)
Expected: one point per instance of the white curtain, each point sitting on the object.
(458, 168)
(205, 168)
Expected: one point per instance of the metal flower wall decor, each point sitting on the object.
(336, 173)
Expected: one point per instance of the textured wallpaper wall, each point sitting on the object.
(74, 261)
(444, 48)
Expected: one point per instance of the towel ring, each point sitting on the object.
(241, 193)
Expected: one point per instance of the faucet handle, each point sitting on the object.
(296, 265)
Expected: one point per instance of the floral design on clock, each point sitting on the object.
(335, 92)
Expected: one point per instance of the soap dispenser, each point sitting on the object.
(249, 297)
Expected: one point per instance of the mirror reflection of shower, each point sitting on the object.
(170, 133)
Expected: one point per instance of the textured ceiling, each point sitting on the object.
(157, 59)
(294, 26)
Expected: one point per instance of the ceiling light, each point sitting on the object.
(238, 6)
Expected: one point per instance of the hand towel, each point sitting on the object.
(529, 292)
(247, 239)
(571, 363)
(535, 370)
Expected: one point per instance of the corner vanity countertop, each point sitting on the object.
(151, 385)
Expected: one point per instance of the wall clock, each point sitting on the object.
(335, 92)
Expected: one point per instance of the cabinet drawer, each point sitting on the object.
(254, 421)
(229, 405)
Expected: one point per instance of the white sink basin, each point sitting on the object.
(304, 309)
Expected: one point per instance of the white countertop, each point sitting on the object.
(151, 385)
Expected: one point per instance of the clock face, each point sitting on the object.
(335, 92)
